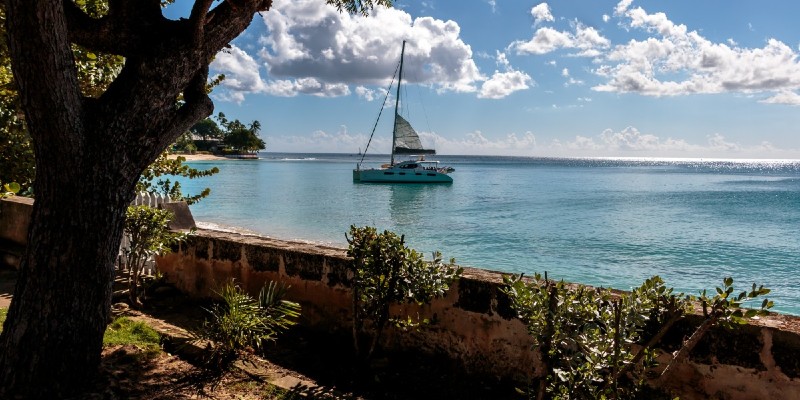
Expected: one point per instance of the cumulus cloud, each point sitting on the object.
(587, 40)
(541, 13)
(241, 73)
(312, 48)
(308, 38)
(477, 143)
(341, 141)
(630, 142)
(783, 97)
(365, 93)
(677, 61)
(502, 84)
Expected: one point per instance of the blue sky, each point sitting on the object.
(630, 78)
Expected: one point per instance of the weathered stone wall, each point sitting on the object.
(474, 324)
(15, 216)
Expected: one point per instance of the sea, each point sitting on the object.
(610, 222)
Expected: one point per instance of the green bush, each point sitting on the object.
(148, 235)
(584, 335)
(239, 322)
(386, 272)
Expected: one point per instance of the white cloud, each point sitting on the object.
(606, 18)
(541, 13)
(241, 74)
(311, 48)
(783, 97)
(622, 6)
(308, 38)
(565, 73)
(630, 142)
(311, 86)
(322, 141)
(477, 143)
(502, 84)
(676, 61)
(365, 93)
(493, 5)
(545, 40)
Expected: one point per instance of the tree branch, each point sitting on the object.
(198, 19)
(226, 21)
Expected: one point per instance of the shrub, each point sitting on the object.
(385, 271)
(584, 335)
(148, 235)
(239, 322)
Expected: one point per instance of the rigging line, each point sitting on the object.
(388, 90)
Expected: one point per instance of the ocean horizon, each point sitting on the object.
(605, 221)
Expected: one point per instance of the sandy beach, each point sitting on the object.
(197, 157)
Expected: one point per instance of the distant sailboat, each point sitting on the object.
(405, 140)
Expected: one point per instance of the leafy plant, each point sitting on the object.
(9, 189)
(386, 272)
(240, 322)
(585, 336)
(148, 235)
(155, 179)
(723, 309)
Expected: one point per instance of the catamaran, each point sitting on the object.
(405, 141)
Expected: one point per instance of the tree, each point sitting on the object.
(90, 151)
(244, 140)
(206, 129)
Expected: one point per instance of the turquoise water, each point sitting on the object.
(596, 221)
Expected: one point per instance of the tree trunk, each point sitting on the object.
(89, 154)
(53, 334)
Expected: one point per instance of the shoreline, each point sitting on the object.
(197, 157)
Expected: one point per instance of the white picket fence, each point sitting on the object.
(142, 199)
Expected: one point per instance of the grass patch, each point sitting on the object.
(3, 312)
(124, 330)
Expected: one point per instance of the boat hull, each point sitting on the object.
(394, 175)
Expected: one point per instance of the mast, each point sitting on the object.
(397, 99)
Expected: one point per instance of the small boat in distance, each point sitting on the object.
(405, 140)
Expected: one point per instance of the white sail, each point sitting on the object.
(406, 139)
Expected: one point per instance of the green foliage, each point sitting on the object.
(124, 330)
(206, 129)
(3, 313)
(386, 272)
(240, 322)
(16, 151)
(727, 308)
(148, 235)
(358, 6)
(585, 336)
(9, 189)
(95, 73)
(155, 179)
(239, 137)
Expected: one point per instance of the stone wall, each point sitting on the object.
(474, 324)
(15, 216)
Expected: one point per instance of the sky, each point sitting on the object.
(574, 78)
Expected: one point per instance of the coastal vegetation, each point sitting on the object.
(223, 136)
(386, 272)
(239, 322)
(595, 343)
(148, 234)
